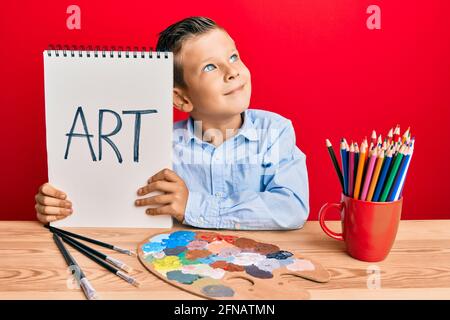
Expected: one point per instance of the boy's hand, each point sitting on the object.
(173, 200)
(51, 204)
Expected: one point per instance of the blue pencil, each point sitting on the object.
(344, 160)
(383, 174)
(399, 177)
(402, 182)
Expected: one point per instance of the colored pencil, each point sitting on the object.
(99, 243)
(84, 283)
(384, 146)
(392, 174)
(383, 174)
(356, 165)
(351, 170)
(397, 133)
(401, 171)
(402, 182)
(405, 135)
(366, 155)
(119, 264)
(102, 263)
(370, 167)
(375, 175)
(335, 163)
(390, 136)
(360, 170)
(344, 165)
(374, 137)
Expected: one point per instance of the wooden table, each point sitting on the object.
(418, 266)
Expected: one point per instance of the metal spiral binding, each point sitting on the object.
(105, 51)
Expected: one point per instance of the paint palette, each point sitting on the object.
(221, 266)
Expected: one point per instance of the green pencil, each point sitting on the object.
(393, 173)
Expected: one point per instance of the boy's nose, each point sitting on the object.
(232, 73)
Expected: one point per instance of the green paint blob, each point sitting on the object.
(185, 261)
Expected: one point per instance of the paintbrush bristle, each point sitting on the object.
(128, 269)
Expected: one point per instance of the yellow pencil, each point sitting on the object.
(376, 173)
(359, 173)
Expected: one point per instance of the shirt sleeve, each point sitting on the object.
(284, 204)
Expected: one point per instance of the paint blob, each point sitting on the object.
(301, 265)
(218, 291)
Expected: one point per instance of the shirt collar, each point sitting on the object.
(247, 129)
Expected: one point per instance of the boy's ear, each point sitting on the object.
(181, 101)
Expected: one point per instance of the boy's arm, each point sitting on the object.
(283, 205)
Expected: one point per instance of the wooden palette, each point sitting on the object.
(216, 265)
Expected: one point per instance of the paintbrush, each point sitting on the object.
(99, 243)
(84, 283)
(113, 261)
(102, 263)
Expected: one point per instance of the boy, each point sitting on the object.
(234, 168)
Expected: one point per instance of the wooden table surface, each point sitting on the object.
(418, 266)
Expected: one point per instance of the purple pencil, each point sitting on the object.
(371, 165)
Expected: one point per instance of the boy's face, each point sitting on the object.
(212, 69)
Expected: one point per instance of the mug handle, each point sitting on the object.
(322, 213)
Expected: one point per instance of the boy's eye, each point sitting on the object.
(235, 55)
(208, 69)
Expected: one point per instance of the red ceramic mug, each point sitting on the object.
(368, 228)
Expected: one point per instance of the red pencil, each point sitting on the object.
(397, 133)
(374, 137)
(389, 136)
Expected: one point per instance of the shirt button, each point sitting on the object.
(218, 194)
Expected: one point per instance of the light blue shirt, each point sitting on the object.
(255, 180)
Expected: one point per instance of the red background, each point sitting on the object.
(314, 62)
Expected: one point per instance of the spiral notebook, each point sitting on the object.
(109, 122)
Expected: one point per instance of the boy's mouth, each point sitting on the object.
(235, 89)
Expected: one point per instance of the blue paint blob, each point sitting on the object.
(227, 259)
(186, 235)
(280, 255)
(208, 260)
(175, 242)
(153, 247)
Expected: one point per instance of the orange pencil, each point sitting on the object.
(405, 135)
(359, 173)
(375, 176)
(367, 146)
